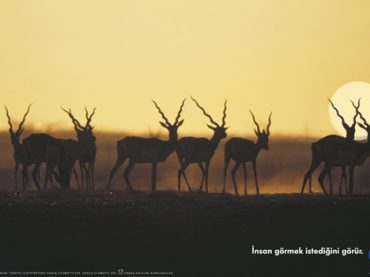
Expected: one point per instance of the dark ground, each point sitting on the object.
(188, 234)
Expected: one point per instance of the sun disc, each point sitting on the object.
(342, 100)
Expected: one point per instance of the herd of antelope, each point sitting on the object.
(337, 151)
(61, 155)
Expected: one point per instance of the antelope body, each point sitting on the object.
(43, 148)
(147, 150)
(242, 151)
(321, 153)
(343, 153)
(67, 164)
(200, 150)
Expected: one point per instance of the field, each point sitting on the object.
(189, 234)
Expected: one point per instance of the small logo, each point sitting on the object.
(120, 271)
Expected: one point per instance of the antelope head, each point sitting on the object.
(262, 137)
(350, 130)
(363, 125)
(172, 128)
(14, 136)
(84, 133)
(219, 130)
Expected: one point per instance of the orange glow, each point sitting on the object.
(285, 56)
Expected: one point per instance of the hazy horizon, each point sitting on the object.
(280, 169)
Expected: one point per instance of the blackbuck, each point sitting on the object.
(357, 158)
(336, 153)
(60, 154)
(200, 150)
(147, 150)
(318, 158)
(43, 148)
(86, 147)
(350, 135)
(242, 150)
(19, 154)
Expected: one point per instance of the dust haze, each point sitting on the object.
(280, 170)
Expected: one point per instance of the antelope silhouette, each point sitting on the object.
(147, 150)
(243, 150)
(200, 150)
(86, 147)
(19, 154)
(318, 157)
(43, 148)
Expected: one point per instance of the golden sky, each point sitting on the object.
(287, 56)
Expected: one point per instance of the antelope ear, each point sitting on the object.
(211, 127)
(163, 124)
(180, 123)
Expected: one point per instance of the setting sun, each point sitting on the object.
(184, 137)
